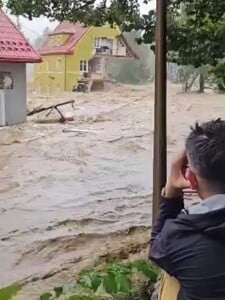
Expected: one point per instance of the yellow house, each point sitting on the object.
(73, 53)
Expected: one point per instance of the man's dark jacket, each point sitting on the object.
(191, 247)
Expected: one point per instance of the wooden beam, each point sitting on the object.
(52, 107)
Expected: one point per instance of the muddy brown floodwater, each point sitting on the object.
(70, 198)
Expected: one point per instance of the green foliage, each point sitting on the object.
(9, 292)
(115, 281)
(88, 11)
(149, 270)
(57, 292)
(196, 37)
(218, 73)
(91, 280)
(46, 296)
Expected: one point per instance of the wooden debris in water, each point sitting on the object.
(52, 108)
(80, 131)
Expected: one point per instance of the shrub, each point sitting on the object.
(114, 281)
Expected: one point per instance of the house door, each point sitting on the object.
(2, 109)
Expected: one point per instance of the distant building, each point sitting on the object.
(15, 52)
(73, 53)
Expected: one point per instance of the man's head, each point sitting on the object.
(205, 148)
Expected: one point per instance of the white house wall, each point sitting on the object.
(121, 49)
(115, 47)
(15, 98)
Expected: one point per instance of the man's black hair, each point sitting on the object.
(206, 150)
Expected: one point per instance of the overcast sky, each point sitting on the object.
(32, 29)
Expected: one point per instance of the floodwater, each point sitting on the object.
(63, 195)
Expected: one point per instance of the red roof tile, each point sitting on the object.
(67, 26)
(76, 32)
(13, 45)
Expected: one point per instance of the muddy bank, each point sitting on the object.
(67, 196)
(86, 252)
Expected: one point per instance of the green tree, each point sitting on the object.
(88, 11)
(196, 36)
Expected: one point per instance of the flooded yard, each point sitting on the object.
(68, 198)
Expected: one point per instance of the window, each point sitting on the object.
(98, 42)
(83, 66)
(58, 64)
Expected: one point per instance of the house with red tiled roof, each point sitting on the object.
(15, 52)
(75, 56)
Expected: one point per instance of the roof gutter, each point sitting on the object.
(18, 60)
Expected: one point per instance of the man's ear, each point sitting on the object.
(191, 177)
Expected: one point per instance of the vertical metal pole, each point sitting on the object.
(160, 144)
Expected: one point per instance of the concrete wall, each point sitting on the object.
(15, 99)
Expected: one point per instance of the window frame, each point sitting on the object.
(99, 44)
(83, 66)
(58, 64)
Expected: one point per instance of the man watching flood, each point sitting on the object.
(189, 243)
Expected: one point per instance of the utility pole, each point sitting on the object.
(160, 136)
